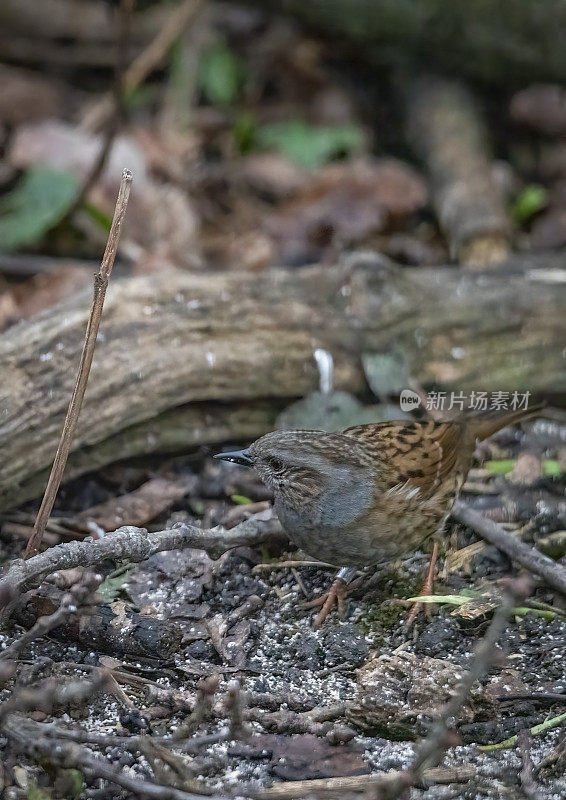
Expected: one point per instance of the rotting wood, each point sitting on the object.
(198, 342)
(114, 629)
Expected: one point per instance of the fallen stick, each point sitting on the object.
(132, 545)
(360, 783)
(148, 60)
(447, 131)
(529, 557)
(100, 285)
(113, 629)
(431, 750)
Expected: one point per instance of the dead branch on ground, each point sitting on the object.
(532, 559)
(133, 545)
(446, 130)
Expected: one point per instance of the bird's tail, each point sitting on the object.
(485, 426)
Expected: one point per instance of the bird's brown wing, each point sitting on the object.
(418, 455)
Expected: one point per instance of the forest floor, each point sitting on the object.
(307, 709)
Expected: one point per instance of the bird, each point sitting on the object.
(371, 493)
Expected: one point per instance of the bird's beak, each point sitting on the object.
(241, 457)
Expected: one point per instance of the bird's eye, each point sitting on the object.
(276, 465)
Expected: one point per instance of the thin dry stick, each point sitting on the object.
(41, 627)
(133, 545)
(439, 739)
(100, 285)
(148, 60)
(532, 559)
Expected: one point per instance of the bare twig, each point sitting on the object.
(80, 598)
(556, 759)
(234, 706)
(441, 735)
(316, 722)
(270, 566)
(360, 783)
(132, 545)
(526, 776)
(100, 286)
(203, 708)
(41, 627)
(70, 755)
(117, 111)
(148, 59)
(552, 574)
(46, 698)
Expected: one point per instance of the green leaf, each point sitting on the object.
(102, 219)
(75, 782)
(544, 726)
(500, 467)
(114, 585)
(220, 75)
(240, 499)
(551, 468)
(308, 145)
(40, 200)
(244, 131)
(467, 595)
(531, 200)
(522, 611)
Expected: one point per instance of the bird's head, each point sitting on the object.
(299, 465)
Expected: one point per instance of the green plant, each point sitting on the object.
(309, 145)
(38, 203)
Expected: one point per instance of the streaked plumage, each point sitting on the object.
(373, 492)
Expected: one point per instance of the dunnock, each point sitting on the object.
(368, 494)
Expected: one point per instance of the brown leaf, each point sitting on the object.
(135, 508)
(272, 175)
(549, 230)
(346, 203)
(57, 144)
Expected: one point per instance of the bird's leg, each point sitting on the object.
(335, 595)
(426, 588)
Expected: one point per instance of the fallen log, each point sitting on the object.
(197, 352)
(176, 430)
(502, 42)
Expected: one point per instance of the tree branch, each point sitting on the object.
(552, 574)
(133, 545)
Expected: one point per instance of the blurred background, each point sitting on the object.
(277, 134)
